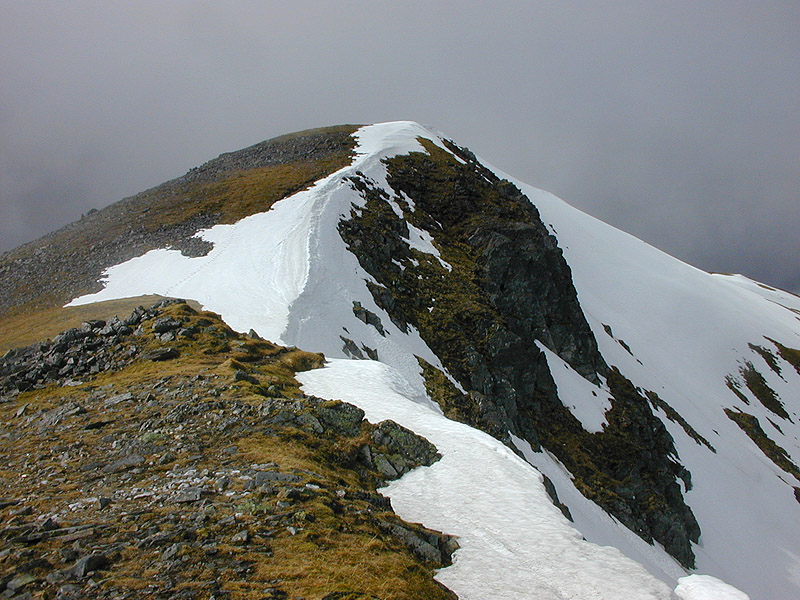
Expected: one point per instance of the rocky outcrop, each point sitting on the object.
(96, 347)
(499, 286)
(186, 480)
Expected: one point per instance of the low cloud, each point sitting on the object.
(676, 122)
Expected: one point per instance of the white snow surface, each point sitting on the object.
(421, 240)
(597, 525)
(514, 543)
(287, 274)
(587, 402)
(705, 587)
(688, 330)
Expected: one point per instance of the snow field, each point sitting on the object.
(687, 330)
(514, 543)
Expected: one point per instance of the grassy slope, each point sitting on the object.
(190, 415)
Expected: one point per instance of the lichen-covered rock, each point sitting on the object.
(341, 417)
(405, 444)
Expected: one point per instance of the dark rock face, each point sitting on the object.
(530, 285)
(503, 285)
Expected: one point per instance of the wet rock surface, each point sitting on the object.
(180, 480)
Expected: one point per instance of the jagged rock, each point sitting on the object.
(368, 317)
(241, 538)
(239, 375)
(384, 466)
(166, 324)
(351, 349)
(93, 562)
(407, 449)
(309, 422)
(19, 582)
(171, 552)
(341, 417)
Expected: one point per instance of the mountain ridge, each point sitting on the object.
(160, 454)
(169, 214)
(295, 274)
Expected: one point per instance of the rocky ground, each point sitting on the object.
(163, 455)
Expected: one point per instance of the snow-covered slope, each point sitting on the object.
(688, 331)
(690, 337)
(514, 542)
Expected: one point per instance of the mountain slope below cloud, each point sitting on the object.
(703, 368)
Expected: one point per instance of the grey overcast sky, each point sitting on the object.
(676, 121)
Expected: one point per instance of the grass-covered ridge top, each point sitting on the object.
(203, 473)
(67, 263)
(500, 285)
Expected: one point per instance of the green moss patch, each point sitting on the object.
(768, 357)
(674, 416)
(790, 355)
(454, 403)
(733, 385)
(759, 387)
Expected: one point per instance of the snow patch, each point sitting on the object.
(587, 402)
(514, 542)
(705, 587)
(421, 240)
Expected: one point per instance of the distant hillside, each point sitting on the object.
(59, 266)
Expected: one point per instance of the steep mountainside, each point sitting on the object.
(659, 402)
